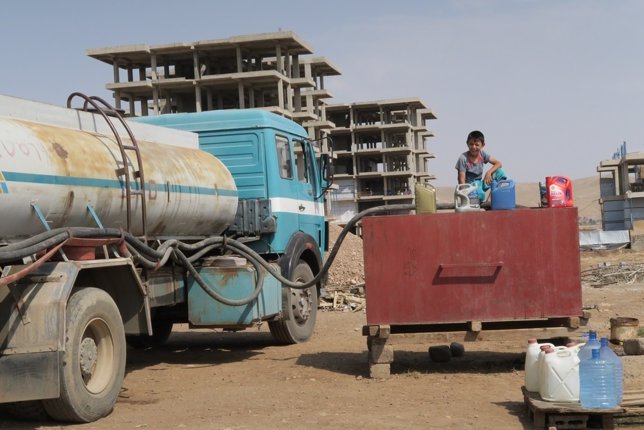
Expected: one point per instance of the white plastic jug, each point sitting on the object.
(462, 201)
(532, 364)
(560, 378)
(543, 382)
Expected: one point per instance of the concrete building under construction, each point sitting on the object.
(265, 71)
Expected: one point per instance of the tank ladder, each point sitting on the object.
(137, 177)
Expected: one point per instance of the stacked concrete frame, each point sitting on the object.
(381, 150)
(268, 71)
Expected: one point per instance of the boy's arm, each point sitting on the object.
(461, 177)
(496, 164)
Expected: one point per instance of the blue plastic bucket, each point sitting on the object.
(503, 195)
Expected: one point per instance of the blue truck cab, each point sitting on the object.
(281, 190)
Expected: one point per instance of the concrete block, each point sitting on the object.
(379, 371)
(380, 353)
(634, 346)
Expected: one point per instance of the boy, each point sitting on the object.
(471, 164)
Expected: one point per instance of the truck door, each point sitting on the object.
(310, 211)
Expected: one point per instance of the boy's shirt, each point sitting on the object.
(473, 171)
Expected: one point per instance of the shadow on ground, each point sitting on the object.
(201, 348)
(356, 364)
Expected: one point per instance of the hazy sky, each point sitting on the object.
(556, 86)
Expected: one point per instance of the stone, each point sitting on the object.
(634, 346)
(440, 353)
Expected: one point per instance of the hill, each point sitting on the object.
(585, 194)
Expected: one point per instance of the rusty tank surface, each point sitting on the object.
(75, 177)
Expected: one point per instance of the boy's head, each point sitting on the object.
(476, 136)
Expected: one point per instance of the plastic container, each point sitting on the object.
(593, 343)
(466, 198)
(605, 353)
(560, 376)
(543, 198)
(532, 364)
(597, 387)
(425, 198)
(544, 381)
(559, 191)
(503, 194)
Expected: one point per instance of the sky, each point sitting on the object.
(555, 86)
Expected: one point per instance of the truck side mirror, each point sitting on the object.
(328, 169)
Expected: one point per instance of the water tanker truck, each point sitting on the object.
(112, 231)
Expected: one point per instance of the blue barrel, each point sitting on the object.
(503, 194)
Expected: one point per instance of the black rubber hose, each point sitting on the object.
(259, 283)
(238, 246)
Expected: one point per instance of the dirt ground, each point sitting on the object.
(208, 380)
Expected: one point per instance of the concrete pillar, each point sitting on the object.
(168, 104)
(130, 73)
(309, 102)
(166, 71)
(297, 100)
(153, 68)
(144, 107)
(197, 98)
(261, 98)
(131, 104)
(209, 98)
(238, 53)
(297, 95)
(251, 97)
(289, 97)
(240, 90)
(287, 66)
(115, 69)
(321, 82)
(142, 76)
(195, 65)
(280, 94)
(117, 99)
(155, 99)
(279, 61)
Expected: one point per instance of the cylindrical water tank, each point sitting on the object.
(62, 171)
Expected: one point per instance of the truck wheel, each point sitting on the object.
(299, 309)
(93, 364)
(161, 330)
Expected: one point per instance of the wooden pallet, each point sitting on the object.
(633, 405)
(382, 339)
(560, 415)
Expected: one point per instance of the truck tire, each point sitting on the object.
(93, 365)
(161, 330)
(299, 308)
